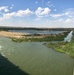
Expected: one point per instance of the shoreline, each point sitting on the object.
(63, 47)
(19, 37)
(10, 34)
(60, 47)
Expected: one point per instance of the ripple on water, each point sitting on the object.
(0, 46)
(2, 54)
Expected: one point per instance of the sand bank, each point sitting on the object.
(11, 34)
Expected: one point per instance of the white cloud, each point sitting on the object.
(36, 2)
(55, 9)
(65, 21)
(60, 20)
(69, 13)
(12, 6)
(56, 15)
(20, 13)
(37, 19)
(40, 12)
(69, 20)
(65, 18)
(9, 15)
(49, 4)
(4, 8)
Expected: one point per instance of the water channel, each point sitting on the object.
(35, 58)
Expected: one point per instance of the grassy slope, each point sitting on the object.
(64, 47)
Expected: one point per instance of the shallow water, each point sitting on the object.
(35, 58)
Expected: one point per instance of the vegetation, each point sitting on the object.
(56, 37)
(29, 28)
(3, 29)
(64, 47)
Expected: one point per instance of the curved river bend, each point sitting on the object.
(35, 58)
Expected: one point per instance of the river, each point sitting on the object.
(35, 58)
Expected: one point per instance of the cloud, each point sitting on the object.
(56, 15)
(37, 19)
(19, 13)
(22, 13)
(55, 9)
(68, 13)
(12, 6)
(36, 2)
(49, 4)
(9, 15)
(65, 21)
(69, 20)
(4, 8)
(64, 18)
(40, 12)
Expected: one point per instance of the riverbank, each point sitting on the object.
(41, 37)
(19, 37)
(10, 34)
(64, 47)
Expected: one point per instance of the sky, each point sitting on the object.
(37, 13)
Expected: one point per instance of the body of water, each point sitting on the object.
(35, 58)
(37, 31)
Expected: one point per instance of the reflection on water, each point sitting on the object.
(69, 37)
(8, 68)
(36, 59)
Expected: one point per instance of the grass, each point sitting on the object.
(56, 37)
(64, 47)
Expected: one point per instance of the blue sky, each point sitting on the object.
(37, 13)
